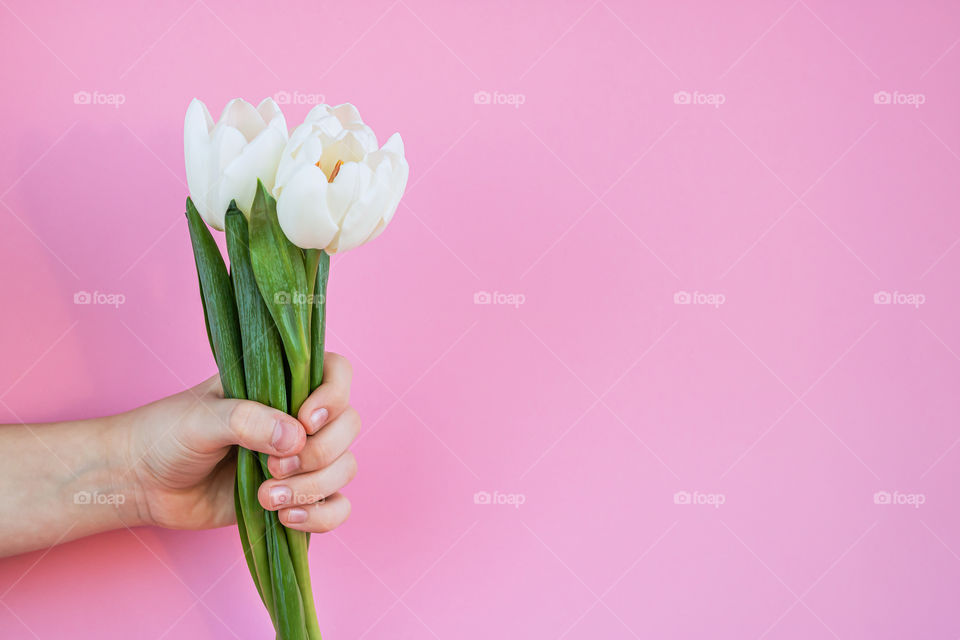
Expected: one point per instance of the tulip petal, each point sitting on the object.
(225, 145)
(391, 155)
(269, 110)
(224, 159)
(346, 113)
(196, 147)
(367, 209)
(256, 160)
(346, 188)
(302, 209)
(243, 116)
(363, 196)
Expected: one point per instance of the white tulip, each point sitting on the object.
(225, 159)
(335, 188)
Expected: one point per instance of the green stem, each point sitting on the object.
(299, 384)
(290, 623)
(250, 516)
(311, 261)
(297, 541)
(245, 539)
(318, 317)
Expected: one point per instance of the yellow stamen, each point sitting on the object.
(336, 170)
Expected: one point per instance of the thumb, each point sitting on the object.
(249, 424)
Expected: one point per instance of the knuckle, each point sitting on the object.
(328, 519)
(308, 489)
(323, 525)
(241, 419)
(341, 397)
(350, 461)
(353, 416)
(211, 387)
(322, 453)
(341, 362)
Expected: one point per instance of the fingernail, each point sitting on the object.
(296, 516)
(318, 417)
(284, 435)
(280, 495)
(288, 465)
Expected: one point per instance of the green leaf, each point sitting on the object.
(244, 538)
(220, 310)
(262, 347)
(298, 542)
(286, 591)
(318, 323)
(279, 271)
(252, 525)
(206, 320)
(266, 383)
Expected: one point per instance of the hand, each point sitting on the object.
(182, 461)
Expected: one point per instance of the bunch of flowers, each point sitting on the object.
(286, 203)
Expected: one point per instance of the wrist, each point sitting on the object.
(117, 484)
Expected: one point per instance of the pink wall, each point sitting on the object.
(790, 196)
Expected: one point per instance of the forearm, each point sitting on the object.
(63, 481)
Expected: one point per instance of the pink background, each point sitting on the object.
(598, 398)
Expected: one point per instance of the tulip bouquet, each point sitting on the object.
(286, 203)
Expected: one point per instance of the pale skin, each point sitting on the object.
(171, 464)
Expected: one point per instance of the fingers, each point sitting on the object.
(249, 424)
(331, 398)
(308, 488)
(318, 517)
(321, 449)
